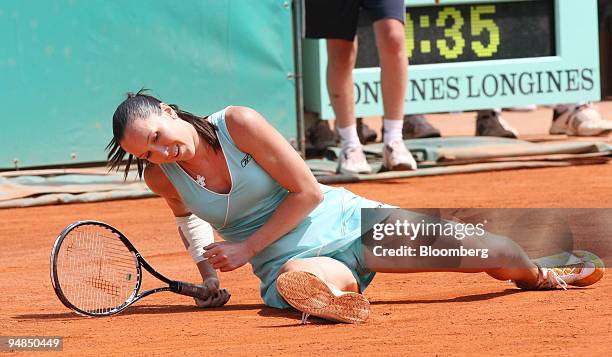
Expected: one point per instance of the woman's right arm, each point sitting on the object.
(157, 181)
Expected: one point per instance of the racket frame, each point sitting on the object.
(174, 286)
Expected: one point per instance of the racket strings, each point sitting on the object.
(107, 286)
(97, 272)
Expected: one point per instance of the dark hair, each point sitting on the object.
(141, 105)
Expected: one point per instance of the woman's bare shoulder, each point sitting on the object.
(158, 182)
(246, 126)
(240, 116)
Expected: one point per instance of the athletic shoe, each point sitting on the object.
(579, 268)
(353, 161)
(365, 133)
(579, 120)
(417, 127)
(312, 296)
(492, 124)
(397, 158)
(320, 136)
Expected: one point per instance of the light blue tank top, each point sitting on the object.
(254, 196)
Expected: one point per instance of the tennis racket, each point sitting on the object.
(96, 271)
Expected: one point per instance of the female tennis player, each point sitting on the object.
(235, 171)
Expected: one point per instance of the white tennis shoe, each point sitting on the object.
(580, 120)
(578, 268)
(352, 160)
(396, 157)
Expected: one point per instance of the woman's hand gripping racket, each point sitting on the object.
(96, 271)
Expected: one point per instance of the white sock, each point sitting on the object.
(349, 137)
(393, 130)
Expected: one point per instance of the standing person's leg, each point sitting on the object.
(341, 57)
(388, 18)
(393, 66)
(336, 21)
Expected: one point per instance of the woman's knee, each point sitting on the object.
(328, 269)
(292, 265)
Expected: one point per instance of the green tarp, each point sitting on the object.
(437, 156)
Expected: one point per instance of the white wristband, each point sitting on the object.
(198, 234)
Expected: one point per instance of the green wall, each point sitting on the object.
(66, 64)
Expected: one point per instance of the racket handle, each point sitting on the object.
(189, 289)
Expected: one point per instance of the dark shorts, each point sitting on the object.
(338, 18)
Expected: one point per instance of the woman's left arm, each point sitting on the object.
(252, 134)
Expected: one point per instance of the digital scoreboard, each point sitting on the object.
(467, 55)
(442, 34)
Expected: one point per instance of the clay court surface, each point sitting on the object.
(412, 314)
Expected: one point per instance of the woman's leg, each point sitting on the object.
(404, 234)
(330, 270)
(498, 256)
